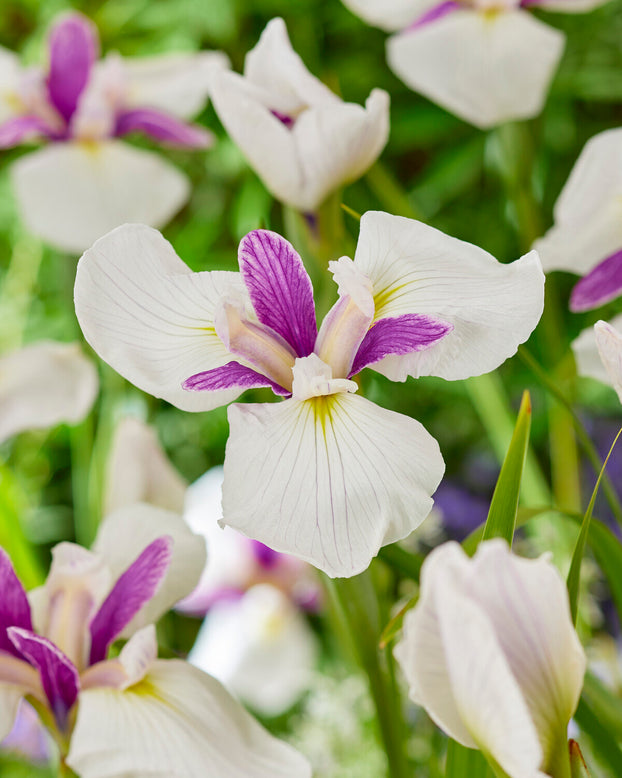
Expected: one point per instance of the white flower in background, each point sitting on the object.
(132, 715)
(491, 653)
(598, 353)
(586, 237)
(487, 61)
(324, 475)
(85, 181)
(44, 384)
(302, 140)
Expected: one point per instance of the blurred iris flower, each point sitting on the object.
(302, 140)
(131, 714)
(324, 475)
(598, 353)
(85, 181)
(487, 61)
(491, 653)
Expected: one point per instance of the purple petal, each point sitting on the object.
(59, 675)
(400, 335)
(599, 286)
(133, 589)
(280, 288)
(265, 556)
(14, 606)
(434, 13)
(230, 376)
(22, 129)
(73, 50)
(162, 127)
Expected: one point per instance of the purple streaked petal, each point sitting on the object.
(21, 129)
(162, 127)
(399, 335)
(230, 376)
(74, 46)
(434, 13)
(14, 606)
(135, 587)
(280, 288)
(59, 676)
(599, 286)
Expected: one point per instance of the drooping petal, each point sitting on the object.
(146, 314)
(401, 335)
(178, 84)
(599, 286)
(139, 471)
(486, 68)
(588, 212)
(10, 74)
(279, 287)
(565, 6)
(44, 384)
(133, 663)
(132, 590)
(329, 479)
(602, 346)
(21, 129)
(14, 607)
(124, 534)
(177, 722)
(417, 269)
(59, 676)
(392, 15)
(74, 46)
(70, 194)
(229, 376)
(163, 128)
(260, 647)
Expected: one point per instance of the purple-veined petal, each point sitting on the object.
(329, 479)
(21, 129)
(279, 287)
(14, 607)
(70, 194)
(59, 675)
(231, 375)
(74, 46)
(177, 722)
(163, 128)
(135, 587)
(440, 10)
(400, 335)
(599, 286)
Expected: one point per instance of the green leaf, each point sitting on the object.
(603, 742)
(395, 625)
(462, 762)
(574, 575)
(501, 520)
(605, 703)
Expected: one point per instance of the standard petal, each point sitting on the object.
(588, 212)
(177, 723)
(485, 68)
(599, 286)
(233, 374)
(138, 470)
(14, 607)
(260, 646)
(329, 479)
(146, 314)
(44, 384)
(162, 128)
(21, 129)
(417, 269)
(390, 15)
(124, 534)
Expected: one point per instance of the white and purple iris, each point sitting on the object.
(324, 475)
(487, 61)
(130, 714)
(86, 181)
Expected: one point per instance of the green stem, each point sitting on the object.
(16, 295)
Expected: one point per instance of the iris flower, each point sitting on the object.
(487, 61)
(598, 353)
(85, 181)
(325, 475)
(131, 714)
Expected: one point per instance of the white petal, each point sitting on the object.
(178, 723)
(260, 647)
(124, 534)
(390, 15)
(598, 353)
(138, 470)
(589, 362)
(486, 68)
(10, 71)
(569, 6)
(44, 384)
(146, 314)
(588, 212)
(70, 194)
(417, 269)
(10, 697)
(176, 83)
(329, 480)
